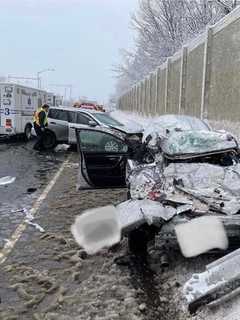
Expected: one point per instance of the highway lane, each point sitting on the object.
(33, 171)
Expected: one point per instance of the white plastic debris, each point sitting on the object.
(7, 180)
(36, 225)
(29, 218)
(201, 235)
(96, 229)
(62, 147)
(133, 213)
(18, 210)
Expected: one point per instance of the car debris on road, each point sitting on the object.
(7, 180)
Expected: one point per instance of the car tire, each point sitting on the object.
(50, 140)
(27, 132)
(138, 239)
(138, 242)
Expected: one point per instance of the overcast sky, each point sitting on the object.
(79, 38)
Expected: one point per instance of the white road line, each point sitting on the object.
(10, 243)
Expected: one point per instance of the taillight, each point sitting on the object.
(8, 123)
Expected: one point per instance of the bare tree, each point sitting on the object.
(226, 5)
(162, 27)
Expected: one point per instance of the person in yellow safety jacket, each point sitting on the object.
(40, 122)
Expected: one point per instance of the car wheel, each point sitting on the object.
(137, 242)
(50, 140)
(139, 239)
(27, 132)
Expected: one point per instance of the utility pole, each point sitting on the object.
(38, 76)
(65, 87)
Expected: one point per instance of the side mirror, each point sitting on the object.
(92, 123)
(148, 139)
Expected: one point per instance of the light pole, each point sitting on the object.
(38, 75)
(65, 87)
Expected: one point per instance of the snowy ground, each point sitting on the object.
(47, 276)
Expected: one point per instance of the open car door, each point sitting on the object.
(103, 156)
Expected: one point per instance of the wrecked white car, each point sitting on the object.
(183, 180)
(193, 171)
(180, 171)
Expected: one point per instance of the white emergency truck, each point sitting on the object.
(17, 105)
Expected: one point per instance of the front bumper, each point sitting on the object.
(6, 132)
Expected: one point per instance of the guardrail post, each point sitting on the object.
(139, 96)
(206, 72)
(157, 95)
(167, 85)
(151, 93)
(147, 98)
(183, 81)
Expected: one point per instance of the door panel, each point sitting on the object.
(103, 158)
(104, 171)
(58, 123)
(76, 120)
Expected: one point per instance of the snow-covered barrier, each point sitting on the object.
(220, 282)
(200, 79)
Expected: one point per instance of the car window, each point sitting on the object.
(58, 114)
(72, 116)
(101, 142)
(106, 119)
(63, 115)
(52, 113)
(83, 119)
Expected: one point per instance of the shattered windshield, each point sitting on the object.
(197, 142)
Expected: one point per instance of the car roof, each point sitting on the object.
(168, 120)
(178, 116)
(65, 108)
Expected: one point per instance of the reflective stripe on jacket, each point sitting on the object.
(36, 117)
